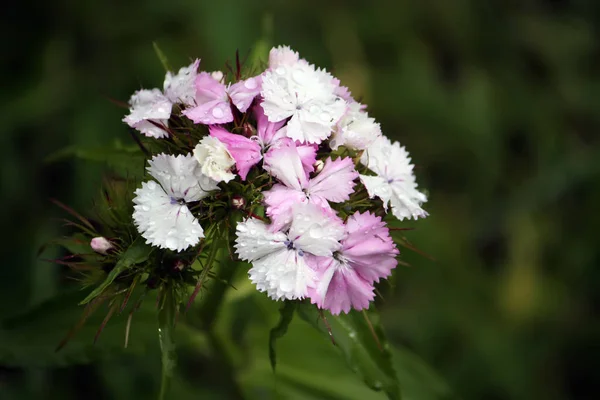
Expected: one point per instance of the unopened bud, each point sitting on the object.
(238, 202)
(101, 245)
(319, 166)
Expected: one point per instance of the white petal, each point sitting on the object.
(404, 198)
(146, 106)
(406, 201)
(355, 130)
(180, 88)
(162, 222)
(283, 275)
(255, 241)
(377, 187)
(214, 158)
(315, 232)
(181, 176)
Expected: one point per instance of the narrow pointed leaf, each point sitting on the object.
(137, 253)
(362, 343)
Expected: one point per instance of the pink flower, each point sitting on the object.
(245, 152)
(334, 183)
(273, 134)
(213, 99)
(345, 280)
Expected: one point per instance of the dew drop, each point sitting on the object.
(251, 84)
(217, 113)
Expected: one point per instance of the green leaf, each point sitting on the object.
(31, 338)
(286, 314)
(137, 253)
(360, 339)
(161, 56)
(123, 159)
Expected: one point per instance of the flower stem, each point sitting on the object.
(166, 321)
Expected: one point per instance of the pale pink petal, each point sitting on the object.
(283, 162)
(244, 151)
(369, 247)
(279, 201)
(339, 288)
(212, 103)
(243, 93)
(308, 156)
(266, 130)
(336, 181)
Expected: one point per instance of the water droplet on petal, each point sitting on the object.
(217, 113)
(251, 83)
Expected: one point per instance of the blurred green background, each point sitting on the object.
(498, 103)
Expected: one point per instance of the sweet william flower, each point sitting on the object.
(214, 158)
(160, 212)
(334, 183)
(305, 95)
(272, 135)
(355, 130)
(149, 113)
(395, 182)
(283, 261)
(367, 254)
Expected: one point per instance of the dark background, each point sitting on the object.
(498, 103)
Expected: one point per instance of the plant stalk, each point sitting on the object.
(166, 322)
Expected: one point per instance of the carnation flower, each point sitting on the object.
(334, 183)
(305, 95)
(212, 99)
(214, 158)
(272, 135)
(395, 182)
(160, 212)
(355, 130)
(179, 88)
(149, 113)
(283, 261)
(367, 254)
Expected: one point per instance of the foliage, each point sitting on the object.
(496, 101)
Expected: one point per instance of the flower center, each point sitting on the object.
(181, 202)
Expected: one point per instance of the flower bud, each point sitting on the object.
(319, 166)
(238, 202)
(101, 245)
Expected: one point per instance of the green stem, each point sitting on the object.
(166, 320)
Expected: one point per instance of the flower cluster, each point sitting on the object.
(297, 156)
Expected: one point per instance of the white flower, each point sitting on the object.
(355, 130)
(395, 182)
(180, 88)
(160, 212)
(149, 111)
(283, 262)
(282, 55)
(216, 162)
(305, 94)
